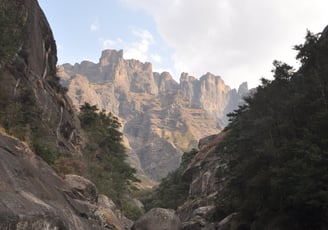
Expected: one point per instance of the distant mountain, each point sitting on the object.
(161, 118)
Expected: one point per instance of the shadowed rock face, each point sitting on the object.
(32, 196)
(161, 118)
(198, 209)
(158, 219)
(33, 70)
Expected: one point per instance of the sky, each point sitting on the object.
(235, 39)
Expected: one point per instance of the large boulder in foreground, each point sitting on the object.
(34, 197)
(158, 219)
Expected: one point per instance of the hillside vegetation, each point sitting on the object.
(105, 154)
(272, 165)
(277, 146)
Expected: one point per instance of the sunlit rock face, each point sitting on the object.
(161, 118)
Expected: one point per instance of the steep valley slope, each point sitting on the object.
(161, 118)
(39, 117)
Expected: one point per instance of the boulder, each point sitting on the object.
(81, 188)
(34, 197)
(227, 222)
(158, 219)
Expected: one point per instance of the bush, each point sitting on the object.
(46, 151)
(105, 154)
(131, 210)
(68, 165)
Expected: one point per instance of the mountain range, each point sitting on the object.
(161, 118)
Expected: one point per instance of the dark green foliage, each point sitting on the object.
(105, 154)
(278, 147)
(131, 210)
(11, 31)
(21, 117)
(47, 151)
(173, 189)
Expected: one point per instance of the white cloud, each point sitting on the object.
(237, 39)
(156, 58)
(109, 44)
(138, 49)
(95, 26)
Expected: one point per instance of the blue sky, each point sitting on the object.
(236, 39)
(83, 29)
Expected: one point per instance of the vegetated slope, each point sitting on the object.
(161, 118)
(268, 169)
(38, 119)
(34, 197)
(34, 106)
(277, 147)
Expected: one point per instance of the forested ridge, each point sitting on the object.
(277, 147)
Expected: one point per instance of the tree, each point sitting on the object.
(105, 153)
(277, 147)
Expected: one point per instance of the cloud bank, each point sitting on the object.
(139, 49)
(237, 39)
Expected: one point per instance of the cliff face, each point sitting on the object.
(34, 197)
(198, 209)
(34, 107)
(161, 118)
(217, 170)
(28, 79)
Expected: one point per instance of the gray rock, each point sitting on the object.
(197, 211)
(227, 222)
(158, 219)
(33, 70)
(33, 197)
(81, 188)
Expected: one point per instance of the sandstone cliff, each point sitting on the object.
(161, 118)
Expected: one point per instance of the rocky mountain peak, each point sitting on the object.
(243, 89)
(185, 77)
(165, 83)
(110, 56)
(161, 118)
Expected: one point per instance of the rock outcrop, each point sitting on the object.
(198, 210)
(29, 79)
(161, 118)
(158, 219)
(33, 197)
(35, 107)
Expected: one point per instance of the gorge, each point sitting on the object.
(161, 118)
(70, 165)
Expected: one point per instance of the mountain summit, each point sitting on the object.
(161, 118)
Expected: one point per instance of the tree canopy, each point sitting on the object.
(277, 144)
(105, 153)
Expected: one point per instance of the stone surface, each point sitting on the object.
(82, 188)
(198, 209)
(33, 197)
(158, 219)
(34, 70)
(227, 223)
(161, 118)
